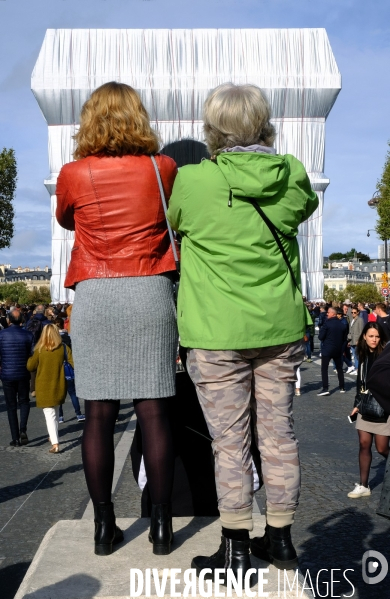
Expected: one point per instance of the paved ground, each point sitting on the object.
(331, 531)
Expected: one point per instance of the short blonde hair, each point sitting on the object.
(237, 115)
(114, 122)
(50, 338)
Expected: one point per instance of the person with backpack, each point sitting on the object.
(48, 362)
(70, 384)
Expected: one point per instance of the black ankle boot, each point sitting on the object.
(276, 547)
(107, 532)
(161, 534)
(231, 555)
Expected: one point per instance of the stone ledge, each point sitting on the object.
(65, 566)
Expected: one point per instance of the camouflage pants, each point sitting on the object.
(232, 386)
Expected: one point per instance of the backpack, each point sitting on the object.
(35, 327)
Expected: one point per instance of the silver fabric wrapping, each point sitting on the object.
(174, 70)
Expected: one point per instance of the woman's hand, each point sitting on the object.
(354, 411)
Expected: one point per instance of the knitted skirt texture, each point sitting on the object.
(124, 338)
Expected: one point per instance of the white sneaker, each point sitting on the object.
(360, 491)
(350, 370)
(354, 372)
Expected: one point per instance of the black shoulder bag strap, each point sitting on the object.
(275, 232)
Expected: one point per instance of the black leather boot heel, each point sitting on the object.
(107, 532)
(231, 555)
(276, 547)
(161, 534)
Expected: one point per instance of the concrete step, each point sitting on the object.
(65, 566)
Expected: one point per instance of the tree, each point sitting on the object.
(39, 296)
(366, 293)
(18, 292)
(363, 257)
(383, 206)
(338, 256)
(14, 292)
(8, 177)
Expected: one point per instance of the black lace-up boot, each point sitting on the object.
(231, 555)
(161, 534)
(107, 532)
(276, 547)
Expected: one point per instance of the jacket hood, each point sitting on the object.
(254, 175)
(39, 316)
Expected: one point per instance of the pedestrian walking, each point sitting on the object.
(333, 335)
(238, 215)
(16, 346)
(122, 259)
(383, 319)
(355, 330)
(70, 383)
(371, 425)
(378, 381)
(48, 362)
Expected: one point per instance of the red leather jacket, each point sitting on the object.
(114, 206)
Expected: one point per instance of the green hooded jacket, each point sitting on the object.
(236, 291)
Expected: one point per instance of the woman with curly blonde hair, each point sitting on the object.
(121, 257)
(50, 383)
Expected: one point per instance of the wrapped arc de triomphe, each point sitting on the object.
(173, 70)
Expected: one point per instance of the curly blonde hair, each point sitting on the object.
(114, 122)
(237, 115)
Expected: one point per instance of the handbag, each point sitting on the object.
(368, 406)
(68, 368)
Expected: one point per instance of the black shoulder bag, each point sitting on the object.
(368, 406)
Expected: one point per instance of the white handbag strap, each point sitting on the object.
(162, 194)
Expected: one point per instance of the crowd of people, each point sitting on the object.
(355, 334)
(28, 337)
(237, 215)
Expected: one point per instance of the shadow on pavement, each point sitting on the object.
(81, 586)
(11, 578)
(26, 487)
(338, 543)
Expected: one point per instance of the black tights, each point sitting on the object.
(365, 454)
(98, 447)
(157, 447)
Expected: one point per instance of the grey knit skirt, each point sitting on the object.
(124, 338)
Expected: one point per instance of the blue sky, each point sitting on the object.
(358, 127)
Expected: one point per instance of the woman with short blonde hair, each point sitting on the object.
(237, 115)
(242, 317)
(50, 384)
(121, 257)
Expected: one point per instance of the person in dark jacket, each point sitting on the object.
(16, 346)
(333, 335)
(363, 312)
(383, 319)
(378, 381)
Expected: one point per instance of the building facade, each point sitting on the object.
(33, 277)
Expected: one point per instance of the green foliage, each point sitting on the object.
(338, 256)
(332, 295)
(18, 292)
(366, 293)
(8, 177)
(383, 186)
